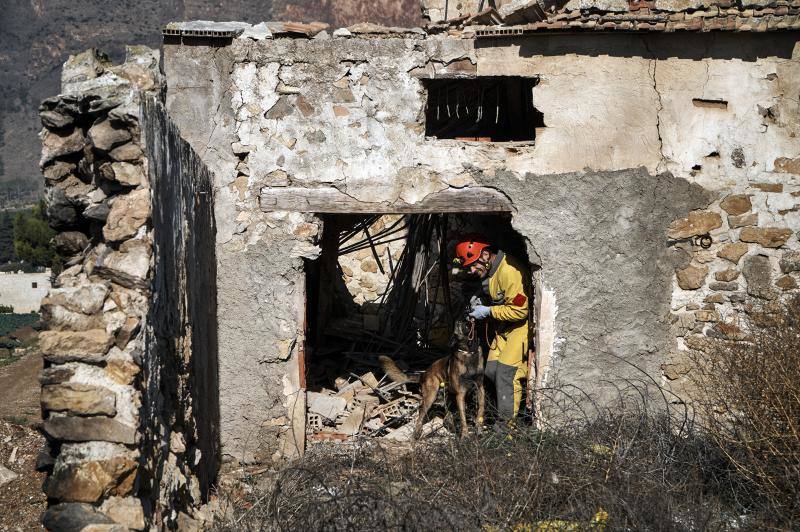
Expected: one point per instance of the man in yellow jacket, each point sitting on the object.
(504, 280)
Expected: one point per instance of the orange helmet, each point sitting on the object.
(469, 249)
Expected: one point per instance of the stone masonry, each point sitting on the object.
(129, 421)
(658, 202)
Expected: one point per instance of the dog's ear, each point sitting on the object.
(453, 342)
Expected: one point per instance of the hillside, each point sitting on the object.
(36, 36)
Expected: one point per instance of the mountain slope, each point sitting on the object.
(36, 36)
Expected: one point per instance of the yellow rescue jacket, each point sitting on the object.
(507, 286)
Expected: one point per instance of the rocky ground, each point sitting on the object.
(21, 499)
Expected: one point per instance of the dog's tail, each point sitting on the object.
(394, 373)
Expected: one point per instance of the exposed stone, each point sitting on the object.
(89, 429)
(129, 152)
(726, 331)
(84, 66)
(723, 286)
(785, 164)
(128, 213)
(61, 143)
(128, 267)
(87, 298)
(105, 135)
(768, 237)
(744, 220)
(786, 282)
(281, 109)
(679, 256)
(58, 318)
(6, 476)
(758, 273)
(706, 315)
(105, 528)
(89, 481)
(676, 370)
(70, 243)
(61, 212)
(726, 275)
(704, 256)
(55, 375)
(58, 170)
(733, 252)
(83, 346)
(768, 187)
(790, 261)
(128, 330)
(121, 366)
(52, 119)
(127, 174)
(97, 212)
(697, 223)
(715, 298)
(369, 265)
(77, 190)
(125, 511)
(691, 278)
(79, 399)
(72, 517)
(738, 297)
(736, 204)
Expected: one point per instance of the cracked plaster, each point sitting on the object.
(593, 197)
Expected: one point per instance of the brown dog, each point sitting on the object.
(464, 363)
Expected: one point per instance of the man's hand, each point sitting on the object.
(480, 312)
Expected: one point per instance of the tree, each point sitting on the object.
(32, 238)
(7, 238)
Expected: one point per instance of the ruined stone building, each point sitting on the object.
(641, 156)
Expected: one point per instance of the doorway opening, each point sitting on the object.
(386, 285)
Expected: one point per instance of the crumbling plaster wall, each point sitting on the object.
(616, 164)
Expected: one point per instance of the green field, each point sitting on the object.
(11, 322)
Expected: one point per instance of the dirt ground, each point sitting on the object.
(21, 500)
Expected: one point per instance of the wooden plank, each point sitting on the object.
(332, 201)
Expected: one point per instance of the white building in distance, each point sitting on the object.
(24, 291)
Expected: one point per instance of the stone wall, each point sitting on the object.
(180, 407)
(98, 194)
(129, 390)
(640, 131)
(24, 291)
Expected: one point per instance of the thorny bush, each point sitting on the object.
(748, 402)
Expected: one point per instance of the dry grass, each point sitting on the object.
(749, 403)
(635, 465)
(626, 470)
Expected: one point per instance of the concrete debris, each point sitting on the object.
(327, 406)
(364, 406)
(6, 475)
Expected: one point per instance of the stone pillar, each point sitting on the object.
(98, 198)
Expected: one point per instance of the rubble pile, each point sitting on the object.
(362, 405)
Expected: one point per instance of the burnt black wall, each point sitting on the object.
(182, 391)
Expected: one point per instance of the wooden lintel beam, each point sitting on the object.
(330, 200)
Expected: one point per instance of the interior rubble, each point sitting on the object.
(386, 285)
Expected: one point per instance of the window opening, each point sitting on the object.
(489, 109)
